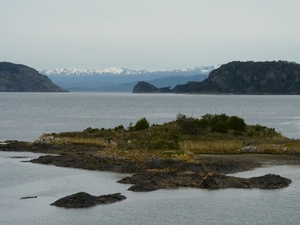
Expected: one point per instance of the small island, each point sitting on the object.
(187, 152)
(275, 77)
(85, 200)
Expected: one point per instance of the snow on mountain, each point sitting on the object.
(122, 71)
(197, 70)
(94, 72)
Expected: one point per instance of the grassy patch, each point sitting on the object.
(212, 147)
(181, 138)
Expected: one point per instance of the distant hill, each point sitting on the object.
(276, 77)
(171, 82)
(21, 78)
(144, 87)
(122, 80)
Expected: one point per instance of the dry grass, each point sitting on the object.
(83, 141)
(214, 146)
(168, 141)
(275, 146)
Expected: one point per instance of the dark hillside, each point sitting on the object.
(276, 77)
(21, 78)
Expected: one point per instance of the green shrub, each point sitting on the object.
(217, 118)
(141, 124)
(202, 124)
(236, 123)
(220, 127)
(186, 124)
(258, 128)
(118, 128)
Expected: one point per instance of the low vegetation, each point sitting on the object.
(181, 138)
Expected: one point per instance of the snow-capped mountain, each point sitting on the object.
(94, 72)
(123, 71)
(121, 79)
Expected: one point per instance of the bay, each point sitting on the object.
(179, 206)
(25, 116)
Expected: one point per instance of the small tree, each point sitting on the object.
(141, 124)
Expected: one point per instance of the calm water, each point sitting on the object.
(177, 207)
(25, 116)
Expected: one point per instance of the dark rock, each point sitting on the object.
(270, 181)
(84, 200)
(156, 173)
(28, 197)
(150, 181)
(102, 163)
(126, 165)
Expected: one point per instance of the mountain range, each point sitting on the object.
(116, 79)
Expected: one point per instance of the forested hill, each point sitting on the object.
(20, 78)
(276, 77)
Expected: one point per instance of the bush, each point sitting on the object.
(186, 124)
(220, 127)
(202, 124)
(217, 118)
(236, 123)
(141, 124)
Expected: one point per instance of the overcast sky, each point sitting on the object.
(152, 35)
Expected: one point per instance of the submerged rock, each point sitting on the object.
(85, 200)
(28, 197)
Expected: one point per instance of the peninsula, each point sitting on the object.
(186, 152)
(21, 78)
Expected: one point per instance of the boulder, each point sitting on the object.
(85, 200)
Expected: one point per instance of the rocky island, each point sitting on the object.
(85, 200)
(187, 152)
(21, 78)
(275, 77)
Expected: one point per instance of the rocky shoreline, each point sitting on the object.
(203, 172)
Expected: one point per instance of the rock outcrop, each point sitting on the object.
(144, 182)
(126, 165)
(21, 78)
(204, 171)
(85, 200)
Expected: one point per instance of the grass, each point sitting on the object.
(211, 147)
(83, 141)
(170, 141)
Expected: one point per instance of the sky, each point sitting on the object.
(152, 35)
